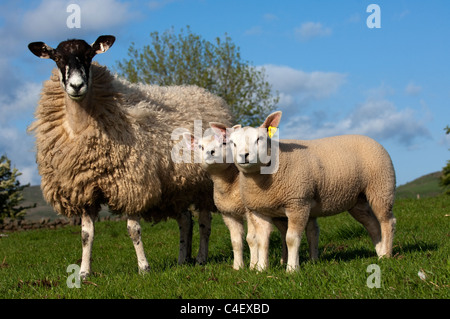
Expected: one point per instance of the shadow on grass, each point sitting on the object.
(418, 246)
(343, 253)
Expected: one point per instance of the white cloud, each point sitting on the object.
(315, 84)
(298, 88)
(379, 119)
(16, 113)
(158, 4)
(269, 17)
(256, 30)
(48, 20)
(310, 30)
(22, 101)
(413, 89)
(19, 147)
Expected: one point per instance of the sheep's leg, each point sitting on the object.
(134, 230)
(263, 227)
(387, 235)
(281, 224)
(364, 215)
(87, 238)
(312, 236)
(387, 225)
(297, 220)
(204, 223)
(251, 240)
(184, 221)
(236, 228)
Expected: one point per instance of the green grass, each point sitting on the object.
(33, 263)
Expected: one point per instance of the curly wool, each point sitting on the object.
(123, 157)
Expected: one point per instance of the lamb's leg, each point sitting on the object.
(185, 225)
(87, 238)
(364, 215)
(263, 228)
(251, 240)
(281, 224)
(387, 225)
(204, 223)
(236, 228)
(297, 220)
(312, 236)
(134, 230)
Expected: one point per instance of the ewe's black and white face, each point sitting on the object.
(73, 59)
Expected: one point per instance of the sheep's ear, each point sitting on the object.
(272, 120)
(103, 43)
(42, 50)
(219, 129)
(237, 127)
(188, 138)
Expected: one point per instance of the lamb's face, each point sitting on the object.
(251, 149)
(73, 59)
(214, 152)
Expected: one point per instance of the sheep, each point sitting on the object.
(217, 160)
(310, 179)
(102, 140)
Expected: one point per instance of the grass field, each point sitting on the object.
(33, 264)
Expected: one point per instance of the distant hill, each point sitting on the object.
(33, 194)
(425, 186)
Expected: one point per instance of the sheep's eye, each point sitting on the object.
(259, 139)
(201, 147)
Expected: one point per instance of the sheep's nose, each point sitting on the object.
(212, 152)
(77, 86)
(244, 158)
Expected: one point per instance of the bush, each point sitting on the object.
(10, 191)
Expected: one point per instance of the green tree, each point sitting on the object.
(10, 191)
(187, 58)
(445, 178)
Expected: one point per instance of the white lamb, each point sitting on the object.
(217, 160)
(315, 178)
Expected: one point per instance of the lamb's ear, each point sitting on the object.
(272, 120)
(42, 50)
(188, 138)
(103, 43)
(219, 129)
(237, 127)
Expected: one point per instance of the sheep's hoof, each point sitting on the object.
(84, 275)
(200, 261)
(144, 271)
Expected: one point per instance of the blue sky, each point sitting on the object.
(333, 73)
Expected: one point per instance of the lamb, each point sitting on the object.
(102, 140)
(315, 178)
(216, 159)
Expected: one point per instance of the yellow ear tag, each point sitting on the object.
(271, 131)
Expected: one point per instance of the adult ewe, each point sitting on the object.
(315, 178)
(102, 140)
